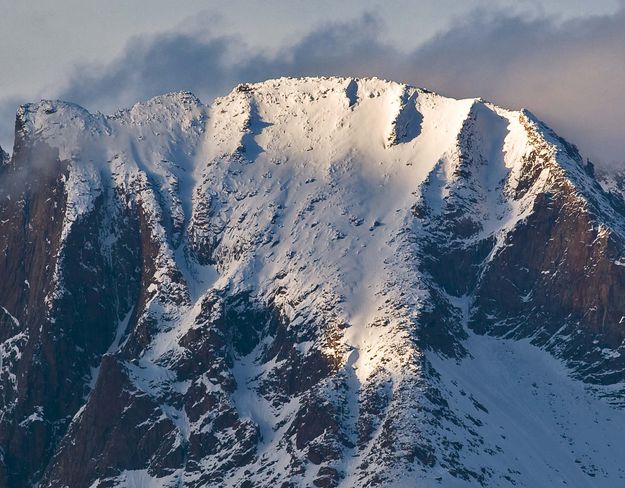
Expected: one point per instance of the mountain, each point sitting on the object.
(310, 282)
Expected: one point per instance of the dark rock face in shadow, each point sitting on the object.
(57, 338)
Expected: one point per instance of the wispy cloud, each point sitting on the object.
(571, 74)
(211, 65)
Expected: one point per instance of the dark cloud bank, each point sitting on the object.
(570, 74)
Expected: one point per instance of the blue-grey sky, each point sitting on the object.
(562, 59)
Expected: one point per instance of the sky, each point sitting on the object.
(562, 59)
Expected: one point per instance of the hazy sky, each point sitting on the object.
(562, 59)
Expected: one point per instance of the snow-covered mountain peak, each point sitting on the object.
(339, 167)
(178, 108)
(46, 118)
(337, 158)
(336, 115)
(284, 286)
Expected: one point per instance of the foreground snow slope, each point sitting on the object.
(285, 287)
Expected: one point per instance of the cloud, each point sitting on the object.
(8, 108)
(150, 67)
(569, 73)
(211, 65)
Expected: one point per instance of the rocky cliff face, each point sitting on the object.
(311, 282)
